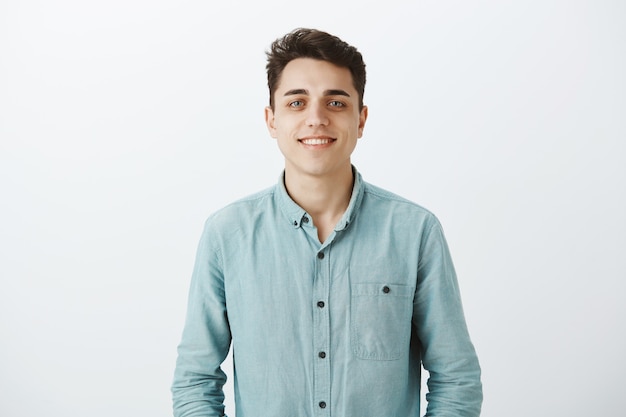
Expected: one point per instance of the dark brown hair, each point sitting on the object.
(312, 43)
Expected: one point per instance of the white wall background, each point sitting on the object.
(124, 124)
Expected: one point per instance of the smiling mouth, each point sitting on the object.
(316, 141)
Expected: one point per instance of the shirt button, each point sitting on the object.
(386, 289)
(322, 355)
(322, 404)
(305, 219)
(295, 222)
(320, 304)
(320, 255)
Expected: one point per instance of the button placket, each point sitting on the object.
(321, 332)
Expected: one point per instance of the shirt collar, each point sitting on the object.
(296, 215)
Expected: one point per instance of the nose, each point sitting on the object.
(316, 115)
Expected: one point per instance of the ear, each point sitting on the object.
(269, 121)
(362, 120)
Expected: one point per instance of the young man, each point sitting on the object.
(332, 291)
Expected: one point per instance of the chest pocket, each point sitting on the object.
(380, 320)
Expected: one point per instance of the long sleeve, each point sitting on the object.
(455, 389)
(198, 379)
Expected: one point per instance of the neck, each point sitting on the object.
(325, 198)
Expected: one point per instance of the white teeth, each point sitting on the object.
(315, 141)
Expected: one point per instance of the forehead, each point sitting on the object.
(313, 74)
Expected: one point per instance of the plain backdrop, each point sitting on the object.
(124, 124)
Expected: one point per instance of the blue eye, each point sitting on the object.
(336, 103)
(296, 103)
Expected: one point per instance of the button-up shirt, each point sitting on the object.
(339, 328)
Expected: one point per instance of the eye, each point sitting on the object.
(296, 104)
(336, 103)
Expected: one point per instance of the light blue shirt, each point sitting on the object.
(335, 329)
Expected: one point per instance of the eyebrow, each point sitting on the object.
(302, 91)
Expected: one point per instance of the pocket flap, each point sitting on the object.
(393, 290)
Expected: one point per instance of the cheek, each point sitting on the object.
(286, 148)
(282, 131)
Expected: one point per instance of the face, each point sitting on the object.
(316, 118)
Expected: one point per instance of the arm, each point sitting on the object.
(454, 385)
(198, 378)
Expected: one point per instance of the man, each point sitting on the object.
(332, 291)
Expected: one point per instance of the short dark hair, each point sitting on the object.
(312, 43)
